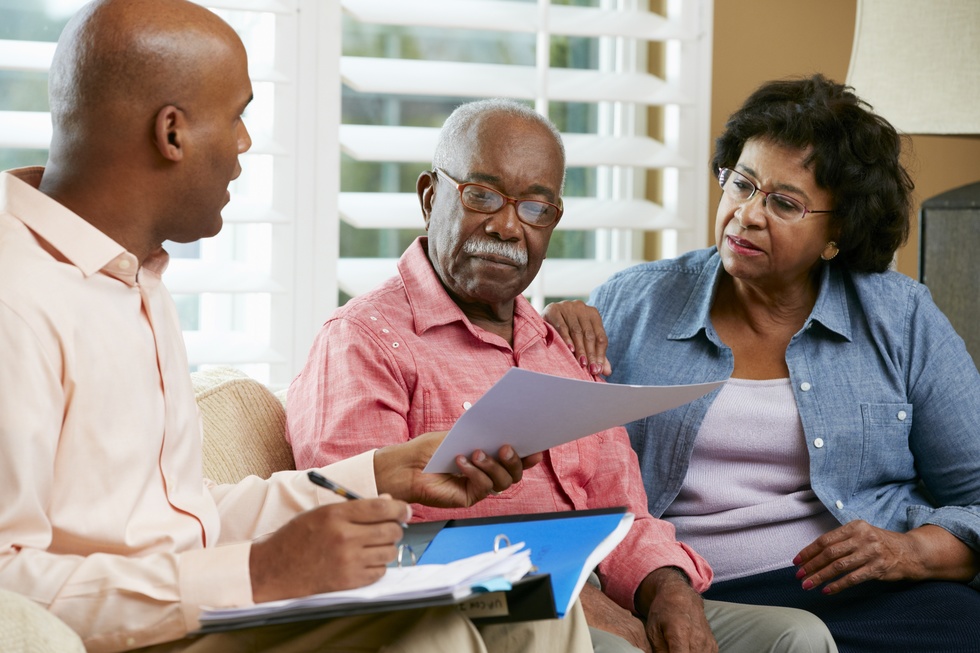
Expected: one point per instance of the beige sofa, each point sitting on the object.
(244, 426)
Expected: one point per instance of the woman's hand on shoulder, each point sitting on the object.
(580, 327)
(857, 552)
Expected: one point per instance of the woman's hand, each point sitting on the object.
(580, 326)
(857, 552)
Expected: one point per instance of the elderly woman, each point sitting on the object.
(838, 470)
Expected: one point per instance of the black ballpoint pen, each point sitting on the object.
(337, 489)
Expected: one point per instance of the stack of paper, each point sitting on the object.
(400, 587)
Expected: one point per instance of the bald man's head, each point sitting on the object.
(147, 99)
(119, 61)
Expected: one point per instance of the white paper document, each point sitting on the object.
(401, 585)
(533, 412)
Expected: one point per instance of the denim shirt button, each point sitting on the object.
(467, 405)
(805, 387)
(902, 415)
(839, 504)
(818, 443)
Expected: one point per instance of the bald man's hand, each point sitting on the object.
(398, 471)
(334, 547)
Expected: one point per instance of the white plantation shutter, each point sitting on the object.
(618, 151)
(349, 95)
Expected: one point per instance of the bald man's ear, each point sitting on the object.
(425, 188)
(169, 130)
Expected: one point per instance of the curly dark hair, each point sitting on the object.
(855, 156)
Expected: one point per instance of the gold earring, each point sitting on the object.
(832, 247)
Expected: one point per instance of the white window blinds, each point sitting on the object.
(407, 63)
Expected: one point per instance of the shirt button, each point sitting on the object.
(394, 345)
(805, 387)
(384, 330)
(467, 405)
(839, 504)
(902, 415)
(374, 319)
(124, 264)
(130, 641)
(818, 443)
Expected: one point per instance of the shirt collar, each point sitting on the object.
(75, 239)
(830, 309)
(696, 314)
(432, 306)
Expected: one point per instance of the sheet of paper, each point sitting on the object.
(532, 412)
(457, 577)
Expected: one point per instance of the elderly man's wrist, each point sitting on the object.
(658, 580)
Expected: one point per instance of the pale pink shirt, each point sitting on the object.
(403, 360)
(105, 517)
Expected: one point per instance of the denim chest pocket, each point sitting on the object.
(885, 455)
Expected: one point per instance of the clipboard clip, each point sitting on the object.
(405, 551)
(498, 540)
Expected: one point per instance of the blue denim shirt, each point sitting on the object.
(888, 396)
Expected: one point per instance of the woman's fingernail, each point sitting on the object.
(594, 369)
(797, 560)
(479, 457)
(801, 573)
(807, 584)
(583, 361)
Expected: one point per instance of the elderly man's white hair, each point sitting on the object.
(449, 146)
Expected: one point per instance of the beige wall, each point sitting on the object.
(759, 40)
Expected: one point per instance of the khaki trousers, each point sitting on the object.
(429, 630)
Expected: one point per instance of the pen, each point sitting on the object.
(336, 488)
(340, 490)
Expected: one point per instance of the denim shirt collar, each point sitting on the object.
(830, 309)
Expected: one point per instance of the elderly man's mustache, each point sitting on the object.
(496, 248)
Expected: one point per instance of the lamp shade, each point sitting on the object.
(918, 63)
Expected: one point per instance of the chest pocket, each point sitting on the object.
(441, 407)
(885, 457)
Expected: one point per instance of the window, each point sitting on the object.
(349, 97)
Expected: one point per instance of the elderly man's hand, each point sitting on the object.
(675, 614)
(398, 471)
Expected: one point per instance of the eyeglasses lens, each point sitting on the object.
(487, 200)
(741, 189)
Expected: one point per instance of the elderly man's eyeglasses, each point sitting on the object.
(782, 207)
(484, 199)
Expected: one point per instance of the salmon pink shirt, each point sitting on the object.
(403, 360)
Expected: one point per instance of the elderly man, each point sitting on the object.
(412, 355)
(106, 520)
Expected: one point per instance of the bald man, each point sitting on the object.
(105, 519)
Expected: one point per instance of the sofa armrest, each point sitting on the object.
(244, 426)
(26, 627)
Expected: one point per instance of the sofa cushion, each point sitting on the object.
(244, 426)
